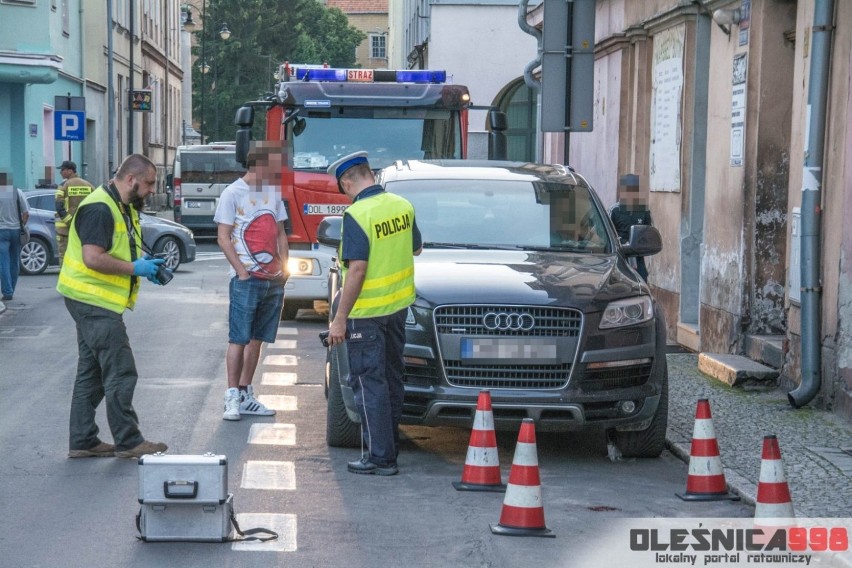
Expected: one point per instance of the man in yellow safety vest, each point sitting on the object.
(69, 195)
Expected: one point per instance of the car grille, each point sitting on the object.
(468, 320)
(621, 378)
(507, 376)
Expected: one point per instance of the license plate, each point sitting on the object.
(507, 348)
(324, 208)
(193, 205)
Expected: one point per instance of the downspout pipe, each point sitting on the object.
(531, 81)
(110, 94)
(811, 294)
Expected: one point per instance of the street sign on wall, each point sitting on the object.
(69, 125)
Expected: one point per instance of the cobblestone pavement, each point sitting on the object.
(812, 442)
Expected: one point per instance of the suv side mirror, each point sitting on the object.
(645, 240)
(329, 230)
(244, 120)
(498, 146)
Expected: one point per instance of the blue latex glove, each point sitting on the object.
(147, 267)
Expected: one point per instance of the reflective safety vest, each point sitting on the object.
(388, 221)
(72, 193)
(114, 292)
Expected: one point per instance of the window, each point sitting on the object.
(378, 46)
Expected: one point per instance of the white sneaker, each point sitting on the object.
(232, 405)
(250, 405)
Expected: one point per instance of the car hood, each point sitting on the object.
(584, 281)
(152, 220)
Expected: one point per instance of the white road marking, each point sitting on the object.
(269, 475)
(283, 360)
(288, 331)
(273, 434)
(281, 402)
(283, 344)
(283, 524)
(278, 379)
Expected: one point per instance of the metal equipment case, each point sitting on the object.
(184, 497)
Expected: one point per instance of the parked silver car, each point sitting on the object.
(164, 236)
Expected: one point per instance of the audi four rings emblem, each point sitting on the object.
(504, 321)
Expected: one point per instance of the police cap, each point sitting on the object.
(340, 166)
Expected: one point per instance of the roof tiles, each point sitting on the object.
(359, 6)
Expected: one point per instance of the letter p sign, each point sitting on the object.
(69, 125)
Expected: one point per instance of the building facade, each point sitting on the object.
(81, 61)
(709, 104)
(370, 17)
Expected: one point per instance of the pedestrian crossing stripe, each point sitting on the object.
(281, 360)
(275, 475)
(284, 403)
(288, 331)
(283, 524)
(283, 344)
(273, 434)
(278, 379)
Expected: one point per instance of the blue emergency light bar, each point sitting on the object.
(370, 76)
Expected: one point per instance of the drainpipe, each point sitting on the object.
(529, 79)
(811, 204)
(110, 93)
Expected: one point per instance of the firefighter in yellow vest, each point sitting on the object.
(100, 279)
(379, 240)
(68, 197)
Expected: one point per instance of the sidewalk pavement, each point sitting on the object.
(816, 445)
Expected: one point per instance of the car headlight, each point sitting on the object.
(300, 266)
(627, 312)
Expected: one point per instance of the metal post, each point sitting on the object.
(203, 62)
(130, 82)
(110, 92)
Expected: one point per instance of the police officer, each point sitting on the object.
(378, 242)
(68, 197)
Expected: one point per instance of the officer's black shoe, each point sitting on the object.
(365, 466)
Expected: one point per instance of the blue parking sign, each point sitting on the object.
(69, 125)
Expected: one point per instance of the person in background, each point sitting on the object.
(250, 218)
(13, 217)
(99, 280)
(625, 214)
(379, 240)
(68, 197)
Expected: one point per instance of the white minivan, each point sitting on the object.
(201, 173)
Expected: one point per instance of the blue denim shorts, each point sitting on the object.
(255, 310)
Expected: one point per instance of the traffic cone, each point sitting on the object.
(482, 465)
(705, 480)
(523, 513)
(773, 505)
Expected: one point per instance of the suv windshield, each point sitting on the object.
(386, 134)
(522, 214)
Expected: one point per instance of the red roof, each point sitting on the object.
(359, 6)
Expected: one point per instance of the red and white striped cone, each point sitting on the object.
(773, 505)
(482, 465)
(705, 480)
(523, 513)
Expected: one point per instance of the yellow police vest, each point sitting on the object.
(72, 193)
(113, 292)
(388, 221)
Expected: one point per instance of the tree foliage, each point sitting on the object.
(264, 33)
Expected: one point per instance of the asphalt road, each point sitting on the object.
(60, 512)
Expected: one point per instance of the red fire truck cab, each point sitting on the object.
(321, 114)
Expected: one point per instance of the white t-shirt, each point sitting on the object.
(255, 215)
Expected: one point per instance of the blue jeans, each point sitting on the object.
(10, 260)
(376, 367)
(255, 309)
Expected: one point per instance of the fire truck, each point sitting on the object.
(321, 114)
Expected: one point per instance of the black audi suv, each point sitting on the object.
(524, 290)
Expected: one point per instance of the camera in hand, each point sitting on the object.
(164, 275)
(324, 338)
